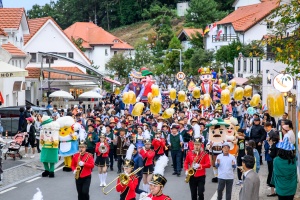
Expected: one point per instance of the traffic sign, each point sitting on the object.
(180, 76)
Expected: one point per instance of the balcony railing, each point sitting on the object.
(224, 38)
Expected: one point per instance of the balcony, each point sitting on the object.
(224, 38)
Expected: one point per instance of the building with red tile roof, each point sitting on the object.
(13, 50)
(186, 34)
(34, 73)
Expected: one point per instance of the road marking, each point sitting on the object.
(215, 196)
(36, 178)
(58, 168)
(9, 189)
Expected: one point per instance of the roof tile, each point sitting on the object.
(13, 50)
(34, 72)
(11, 17)
(192, 31)
(245, 17)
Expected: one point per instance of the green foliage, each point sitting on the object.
(287, 47)
(201, 58)
(197, 40)
(225, 5)
(171, 62)
(202, 13)
(78, 43)
(143, 56)
(119, 64)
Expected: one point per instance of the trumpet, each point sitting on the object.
(124, 180)
(102, 148)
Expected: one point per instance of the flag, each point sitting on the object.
(213, 26)
(219, 35)
(206, 30)
(1, 5)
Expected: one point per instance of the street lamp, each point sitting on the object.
(180, 58)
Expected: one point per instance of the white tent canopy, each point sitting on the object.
(90, 94)
(61, 94)
(8, 71)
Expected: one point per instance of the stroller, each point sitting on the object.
(14, 146)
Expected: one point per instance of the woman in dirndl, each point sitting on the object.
(102, 152)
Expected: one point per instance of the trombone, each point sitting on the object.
(124, 180)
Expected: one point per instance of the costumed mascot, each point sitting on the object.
(135, 85)
(231, 134)
(49, 142)
(68, 141)
(217, 136)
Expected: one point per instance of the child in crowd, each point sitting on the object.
(240, 153)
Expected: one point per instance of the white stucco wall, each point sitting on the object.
(11, 98)
(240, 3)
(99, 57)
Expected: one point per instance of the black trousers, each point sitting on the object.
(120, 161)
(38, 145)
(111, 158)
(197, 187)
(286, 197)
(270, 172)
(83, 187)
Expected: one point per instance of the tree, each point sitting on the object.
(197, 40)
(225, 5)
(226, 54)
(286, 43)
(201, 58)
(78, 42)
(203, 12)
(171, 62)
(119, 64)
(143, 55)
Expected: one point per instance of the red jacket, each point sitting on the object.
(88, 166)
(191, 145)
(160, 197)
(148, 156)
(159, 145)
(127, 191)
(104, 155)
(204, 163)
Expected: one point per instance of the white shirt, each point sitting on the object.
(225, 170)
(291, 136)
(28, 128)
(245, 173)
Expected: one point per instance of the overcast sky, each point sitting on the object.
(27, 4)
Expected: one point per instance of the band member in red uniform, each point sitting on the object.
(159, 145)
(102, 152)
(148, 157)
(128, 190)
(82, 166)
(197, 160)
(158, 181)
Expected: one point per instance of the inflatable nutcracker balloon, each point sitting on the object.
(217, 136)
(148, 82)
(135, 85)
(231, 134)
(206, 81)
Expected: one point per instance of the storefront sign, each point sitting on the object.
(283, 82)
(6, 75)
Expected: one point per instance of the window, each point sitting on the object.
(20, 63)
(116, 41)
(106, 52)
(63, 54)
(270, 25)
(71, 55)
(115, 52)
(33, 57)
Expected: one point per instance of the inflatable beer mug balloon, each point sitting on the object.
(255, 100)
(181, 96)
(125, 98)
(117, 91)
(132, 97)
(238, 94)
(172, 94)
(155, 90)
(275, 103)
(223, 86)
(230, 88)
(248, 91)
(168, 113)
(138, 109)
(155, 106)
(225, 97)
(196, 93)
(220, 81)
(206, 100)
(150, 97)
(233, 83)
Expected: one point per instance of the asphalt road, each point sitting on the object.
(62, 187)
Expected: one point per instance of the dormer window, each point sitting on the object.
(116, 41)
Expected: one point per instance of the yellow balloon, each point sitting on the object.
(220, 81)
(275, 103)
(181, 96)
(248, 91)
(233, 83)
(138, 109)
(149, 97)
(155, 106)
(196, 93)
(223, 86)
(225, 97)
(230, 88)
(255, 100)
(155, 90)
(206, 100)
(172, 94)
(132, 97)
(125, 98)
(117, 91)
(238, 94)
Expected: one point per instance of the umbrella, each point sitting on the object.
(90, 94)
(61, 94)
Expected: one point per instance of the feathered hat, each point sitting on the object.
(197, 137)
(128, 162)
(147, 138)
(159, 169)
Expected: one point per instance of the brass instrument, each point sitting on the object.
(124, 180)
(191, 170)
(102, 148)
(78, 168)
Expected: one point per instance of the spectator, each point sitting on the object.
(284, 117)
(287, 130)
(256, 155)
(30, 137)
(49, 105)
(37, 126)
(250, 189)
(240, 153)
(22, 119)
(258, 134)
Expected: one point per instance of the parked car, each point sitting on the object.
(10, 117)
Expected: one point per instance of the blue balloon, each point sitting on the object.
(250, 110)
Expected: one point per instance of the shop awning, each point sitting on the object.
(239, 81)
(8, 71)
(111, 81)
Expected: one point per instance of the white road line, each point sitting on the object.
(36, 178)
(58, 168)
(215, 196)
(9, 189)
